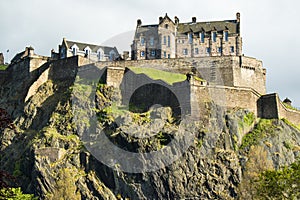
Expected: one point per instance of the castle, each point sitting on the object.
(172, 39)
(208, 53)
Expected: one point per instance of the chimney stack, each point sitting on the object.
(238, 17)
(160, 19)
(139, 22)
(194, 19)
(176, 20)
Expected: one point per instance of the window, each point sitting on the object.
(214, 36)
(99, 55)
(232, 49)
(63, 53)
(142, 53)
(152, 41)
(152, 53)
(191, 38)
(208, 50)
(169, 56)
(219, 49)
(185, 51)
(142, 41)
(226, 36)
(166, 26)
(169, 42)
(165, 40)
(165, 54)
(202, 37)
(87, 52)
(182, 41)
(74, 51)
(196, 51)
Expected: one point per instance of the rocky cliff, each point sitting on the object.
(42, 148)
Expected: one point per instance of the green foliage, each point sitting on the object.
(155, 74)
(15, 194)
(264, 127)
(289, 106)
(290, 124)
(3, 67)
(280, 184)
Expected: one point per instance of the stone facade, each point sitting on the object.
(172, 39)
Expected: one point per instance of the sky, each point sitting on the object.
(269, 28)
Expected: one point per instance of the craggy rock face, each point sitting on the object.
(46, 153)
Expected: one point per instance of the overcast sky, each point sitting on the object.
(270, 28)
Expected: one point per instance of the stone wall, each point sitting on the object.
(230, 71)
(226, 97)
(270, 107)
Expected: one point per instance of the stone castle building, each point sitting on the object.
(91, 51)
(174, 39)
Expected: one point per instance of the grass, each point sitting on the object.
(3, 67)
(262, 129)
(155, 74)
(289, 106)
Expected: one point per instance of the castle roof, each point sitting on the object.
(93, 47)
(147, 31)
(230, 25)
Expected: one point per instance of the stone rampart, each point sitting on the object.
(233, 71)
(270, 107)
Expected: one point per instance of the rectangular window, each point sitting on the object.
(182, 41)
(169, 56)
(185, 52)
(214, 36)
(165, 54)
(208, 50)
(152, 41)
(142, 53)
(191, 38)
(74, 51)
(202, 37)
(152, 53)
(196, 51)
(142, 41)
(165, 40)
(232, 49)
(169, 42)
(226, 36)
(219, 49)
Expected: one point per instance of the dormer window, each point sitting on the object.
(214, 36)
(202, 37)
(190, 38)
(74, 51)
(226, 36)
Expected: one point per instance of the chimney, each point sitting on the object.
(160, 19)
(238, 17)
(194, 19)
(176, 20)
(125, 55)
(139, 22)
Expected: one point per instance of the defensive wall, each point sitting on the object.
(270, 106)
(232, 71)
(232, 81)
